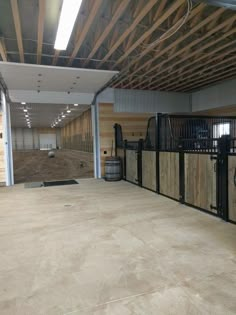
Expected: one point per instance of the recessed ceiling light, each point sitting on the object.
(69, 12)
(25, 110)
(59, 119)
(26, 115)
(68, 111)
(23, 103)
(63, 116)
(76, 104)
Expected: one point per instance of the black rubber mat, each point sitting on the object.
(60, 183)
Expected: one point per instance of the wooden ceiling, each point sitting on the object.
(144, 40)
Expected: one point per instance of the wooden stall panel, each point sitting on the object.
(200, 181)
(232, 187)
(149, 169)
(169, 174)
(131, 166)
(120, 154)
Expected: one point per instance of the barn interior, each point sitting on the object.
(117, 157)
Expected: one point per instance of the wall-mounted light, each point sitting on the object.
(69, 12)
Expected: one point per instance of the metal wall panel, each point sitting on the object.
(150, 101)
(222, 94)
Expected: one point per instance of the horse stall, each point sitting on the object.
(191, 159)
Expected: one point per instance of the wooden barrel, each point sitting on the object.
(113, 169)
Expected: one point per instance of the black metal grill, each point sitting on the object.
(194, 133)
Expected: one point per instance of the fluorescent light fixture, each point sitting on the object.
(69, 12)
(63, 116)
(23, 103)
(25, 110)
(76, 104)
(26, 115)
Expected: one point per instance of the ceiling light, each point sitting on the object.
(68, 110)
(23, 103)
(25, 110)
(63, 116)
(76, 104)
(59, 119)
(26, 115)
(69, 12)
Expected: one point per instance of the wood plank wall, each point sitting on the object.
(169, 174)
(77, 135)
(149, 170)
(133, 126)
(2, 166)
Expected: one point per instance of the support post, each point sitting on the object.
(222, 180)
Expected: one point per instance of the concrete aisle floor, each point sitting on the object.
(112, 248)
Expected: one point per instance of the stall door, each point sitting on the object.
(200, 181)
(132, 166)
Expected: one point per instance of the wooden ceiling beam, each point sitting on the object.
(17, 23)
(94, 10)
(191, 45)
(55, 57)
(118, 12)
(160, 9)
(40, 29)
(129, 30)
(170, 82)
(219, 77)
(179, 14)
(194, 53)
(154, 27)
(3, 51)
(166, 49)
(205, 72)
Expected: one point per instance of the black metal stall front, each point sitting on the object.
(191, 159)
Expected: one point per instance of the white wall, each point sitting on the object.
(220, 95)
(29, 139)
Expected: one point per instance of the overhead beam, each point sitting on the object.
(190, 45)
(94, 10)
(129, 30)
(204, 73)
(214, 78)
(40, 30)
(211, 57)
(17, 23)
(3, 51)
(190, 55)
(119, 11)
(156, 24)
(146, 64)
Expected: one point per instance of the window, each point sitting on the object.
(221, 129)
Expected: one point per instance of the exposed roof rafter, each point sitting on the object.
(17, 23)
